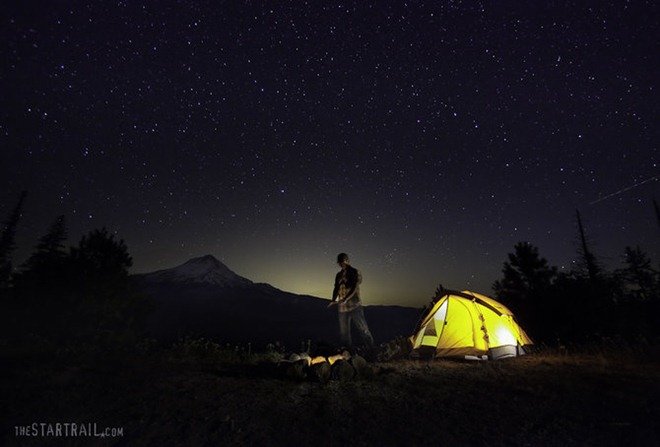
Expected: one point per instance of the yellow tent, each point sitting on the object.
(469, 324)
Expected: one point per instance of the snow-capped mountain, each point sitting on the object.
(203, 270)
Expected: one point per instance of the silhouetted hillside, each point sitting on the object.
(203, 297)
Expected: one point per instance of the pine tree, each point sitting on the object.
(525, 273)
(7, 244)
(527, 288)
(640, 279)
(100, 305)
(50, 250)
(100, 266)
(100, 256)
(588, 261)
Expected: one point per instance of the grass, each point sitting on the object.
(200, 394)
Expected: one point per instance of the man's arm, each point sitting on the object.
(334, 292)
(336, 288)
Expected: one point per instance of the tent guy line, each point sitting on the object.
(616, 193)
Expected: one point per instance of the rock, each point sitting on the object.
(296, 370)
(362, 368)
(342, 370)
(358, 361)
(320, 371)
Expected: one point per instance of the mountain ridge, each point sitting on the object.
(204, 297)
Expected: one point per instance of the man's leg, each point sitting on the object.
(345, 328)
(361, 325)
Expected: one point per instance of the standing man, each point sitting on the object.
(346, 295)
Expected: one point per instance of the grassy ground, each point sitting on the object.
(552, 398)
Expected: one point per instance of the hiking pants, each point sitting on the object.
(355, 318)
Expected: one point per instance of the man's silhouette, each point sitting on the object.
(346, 295)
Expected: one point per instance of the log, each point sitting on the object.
(342, 370)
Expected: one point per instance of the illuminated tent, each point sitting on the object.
(468, 324)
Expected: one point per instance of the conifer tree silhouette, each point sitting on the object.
(50, 248)
(7, 244)
(525, 273)
(587, 259)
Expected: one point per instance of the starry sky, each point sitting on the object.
(423, 138)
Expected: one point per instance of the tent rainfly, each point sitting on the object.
(471, 325)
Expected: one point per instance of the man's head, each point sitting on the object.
(342, 260)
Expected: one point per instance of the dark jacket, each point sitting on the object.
(352, 279)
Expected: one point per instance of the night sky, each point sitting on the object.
(423, 138)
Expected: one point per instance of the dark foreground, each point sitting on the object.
(598, 398)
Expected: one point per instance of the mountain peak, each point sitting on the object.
(206, 260)
(205, 269)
